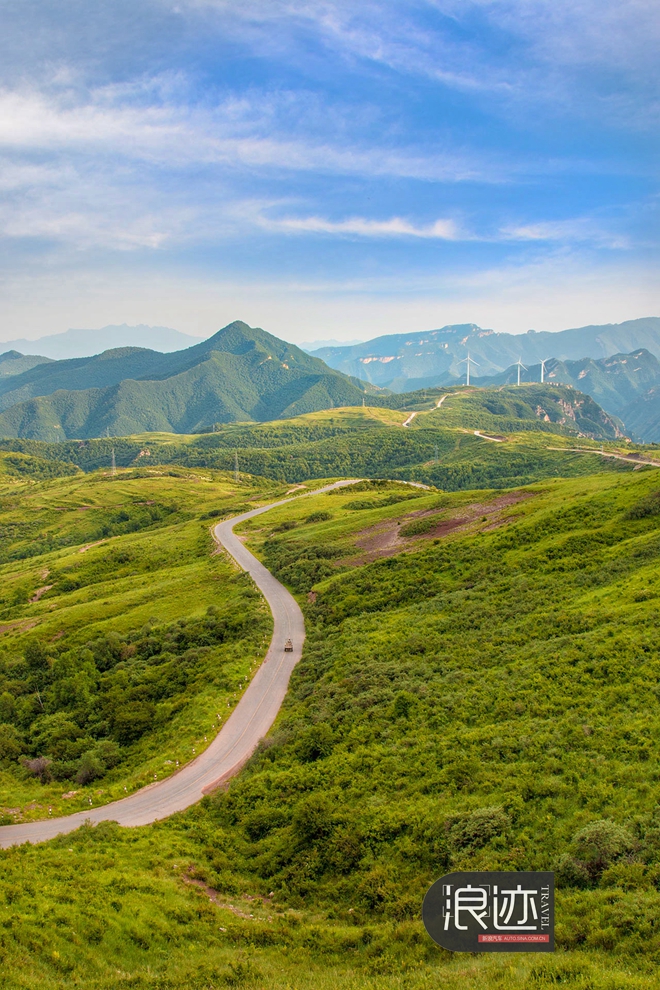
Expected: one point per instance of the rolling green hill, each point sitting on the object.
(239, 374)
(540, 429)
(478, 691)
(121, 634)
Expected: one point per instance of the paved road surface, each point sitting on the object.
(238, 738)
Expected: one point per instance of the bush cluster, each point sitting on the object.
(81, 710)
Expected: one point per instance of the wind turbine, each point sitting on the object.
(520, 365)
(543, 364)
(467, 361)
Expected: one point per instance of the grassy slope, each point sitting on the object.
(474, 701)
(434, 449)
(150, 565)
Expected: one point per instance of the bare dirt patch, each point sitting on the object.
(216, 897)
(18, 625)
(385, 539)
(88, 546)
(39, 592)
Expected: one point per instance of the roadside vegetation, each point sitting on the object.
(124, 640)
(479, 690)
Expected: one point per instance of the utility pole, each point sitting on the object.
(114, 463)
(236, 466)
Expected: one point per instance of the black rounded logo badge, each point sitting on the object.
(492, 912)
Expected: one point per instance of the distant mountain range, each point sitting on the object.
(310, 346)
(243, 374)
(408, 361)
(240, 374)
(626, 386)
(617, 364)
(84, 343)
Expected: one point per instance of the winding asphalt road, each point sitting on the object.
(232, 747)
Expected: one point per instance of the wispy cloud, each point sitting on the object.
(445, 230)
(576, 229)
(486, 132)
(591, 57)
(232, 134)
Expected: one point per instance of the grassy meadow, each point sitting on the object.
(439, 446)
(479, 690)
(124, 639)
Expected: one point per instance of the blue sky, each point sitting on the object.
(327, 168)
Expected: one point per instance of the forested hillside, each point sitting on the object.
(239, 374)
(537, 432)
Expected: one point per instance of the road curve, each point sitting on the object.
(248, 723)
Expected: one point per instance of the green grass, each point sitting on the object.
(486, 697)
(436, 448)
(124, 639)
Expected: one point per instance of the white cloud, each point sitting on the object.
(232, 134)
(445, 230)
(577, 229)
(591, 57)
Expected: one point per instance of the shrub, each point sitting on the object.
(312, 819)
(39, 766)
(403, 704)
(599, 844)
(648, 506)
(285, 526)
(132, 720)
(418, 526)
(315, 743)
(10, 744)
(627, 876)
(318, 517)
(570, 873)
(476, 829)
(89, 768)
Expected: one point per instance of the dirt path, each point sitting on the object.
(410, 419)
(384, 539)
(484, 436)
(628, 458)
